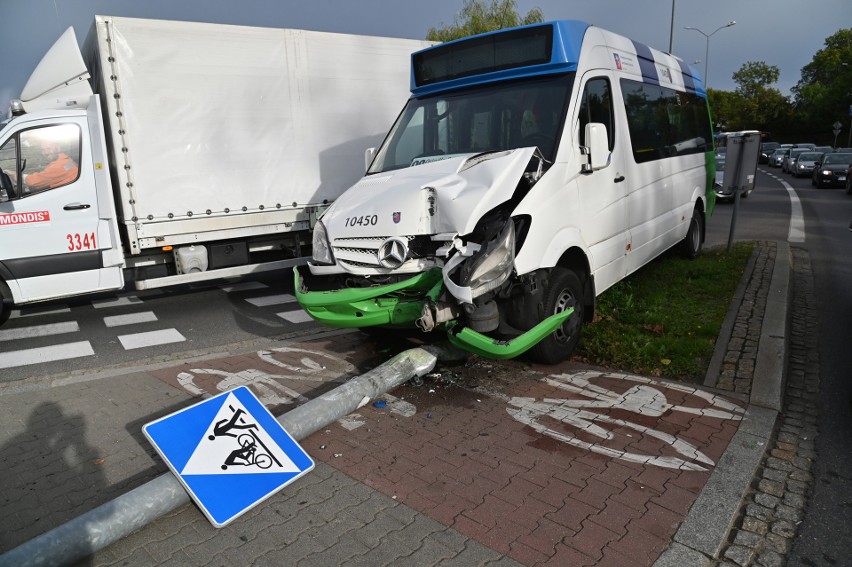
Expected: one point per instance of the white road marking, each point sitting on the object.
(295, 316)
(645, 397)
(152, 338)
(33, 311)
(130, 319)
(39, 331)
(245, 286)
(796, 232)
(116, 302)
(267, 300)
(45, 354)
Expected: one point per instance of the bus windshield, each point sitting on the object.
(491, 117)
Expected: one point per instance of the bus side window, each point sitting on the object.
(596, 106)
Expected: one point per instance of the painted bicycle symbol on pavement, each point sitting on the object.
(585, 413)
(311, 366)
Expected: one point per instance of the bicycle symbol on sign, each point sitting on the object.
(247, 453)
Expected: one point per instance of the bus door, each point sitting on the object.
(603, 209)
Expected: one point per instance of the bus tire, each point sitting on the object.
(691, 245)
(564, 289)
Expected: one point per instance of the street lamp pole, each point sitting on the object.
(707, 48)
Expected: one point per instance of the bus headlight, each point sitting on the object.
(321, 248)
(493, 265)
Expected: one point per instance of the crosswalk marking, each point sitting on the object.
(245, 286)
(39, 331)
(130, 319)
(116, 302)
(33, 311)
(267, 300)
(295, 316)
(151, 338)
(45, 354)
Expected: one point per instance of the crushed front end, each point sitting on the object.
(432, 246)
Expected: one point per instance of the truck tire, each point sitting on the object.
(691, 245)
(5, 304)
(564, 290)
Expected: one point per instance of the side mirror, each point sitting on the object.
(369, 155)
(596, 148)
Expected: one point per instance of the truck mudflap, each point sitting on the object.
(488, 347)
(401, 304)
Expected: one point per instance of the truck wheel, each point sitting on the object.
(564, 290)
(691, 245)
(5, 305)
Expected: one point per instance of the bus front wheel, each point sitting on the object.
(564, 290)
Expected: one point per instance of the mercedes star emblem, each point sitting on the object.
(392, 253)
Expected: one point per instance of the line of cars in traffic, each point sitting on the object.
(825, 165)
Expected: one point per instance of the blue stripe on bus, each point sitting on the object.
(689, 82)
(646, 63)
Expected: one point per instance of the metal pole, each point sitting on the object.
(132, 511)
(707, 47)
(671, 30)
(739, 146)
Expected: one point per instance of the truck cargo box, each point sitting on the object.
(220, 131)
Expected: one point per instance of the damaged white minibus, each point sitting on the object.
(531, 169)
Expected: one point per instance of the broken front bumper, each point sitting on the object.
(401, 304)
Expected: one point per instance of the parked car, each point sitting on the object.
(843, 150)
(805, 163)
(766, 149)
(831, 170)
(719, 181)
(787, 164)
(777, 157)
(827, 149)
(805, 146)
(849, 185)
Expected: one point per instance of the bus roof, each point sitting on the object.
(541, 49)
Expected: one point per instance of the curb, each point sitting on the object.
(703, 533)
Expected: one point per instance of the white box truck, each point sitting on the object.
(171, 152)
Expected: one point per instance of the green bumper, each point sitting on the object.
(401, 304)
(396, 305)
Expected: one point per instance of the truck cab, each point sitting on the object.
(58, 229)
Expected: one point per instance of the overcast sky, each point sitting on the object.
(784, 33)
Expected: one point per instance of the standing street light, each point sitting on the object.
(707, 50)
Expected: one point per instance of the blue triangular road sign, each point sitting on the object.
(229, 452)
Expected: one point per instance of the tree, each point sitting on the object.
(480, 16)
(755, 104)
(824, 93)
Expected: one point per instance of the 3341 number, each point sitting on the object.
(81, 241)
